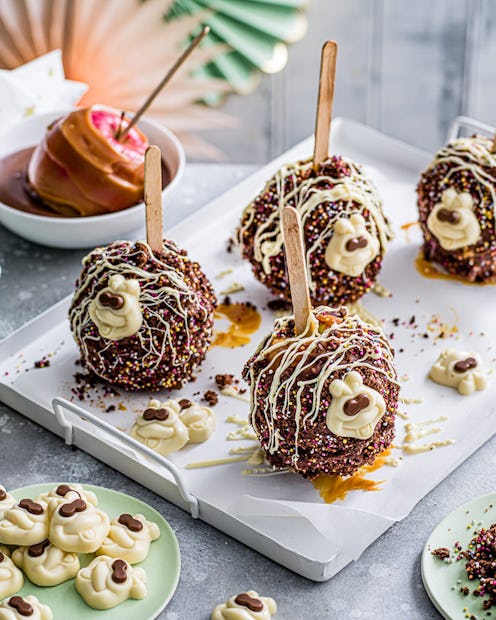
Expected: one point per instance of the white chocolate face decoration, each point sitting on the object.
(246, 606)
(459, 370)
(64, 493)
(26, 523)
(351, 247)
(45, 565)
(107, 582)
(160, 428)
(355, 408)
(129, 538)
(20, 608)
(11, 579)
(116, 310)
(200, 422)
(6, 501)
(78, 527)
(453, 221)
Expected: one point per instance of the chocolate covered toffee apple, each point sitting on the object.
(323, 401)
(457, 208)
(345, 230)
(142, 313)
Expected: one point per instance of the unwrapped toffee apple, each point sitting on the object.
(457, 209)
(82, 168)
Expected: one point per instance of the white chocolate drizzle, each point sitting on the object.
(229, 390)
(419, 430)
(355, 192)
(289, 358)
(175, 294)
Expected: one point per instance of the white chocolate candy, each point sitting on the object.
(20, 608)
(129, 538)
(160, 428)
(116, 310)
(355, 408)
(351, 247)
(108, 582)
(6, 501)
(26, 523)
(5, 551)
(459, 370)
(78, 529)
(65, 492)
(200, 422)
(45, 565)
(246, 606)
(453, 221)
(11, 579)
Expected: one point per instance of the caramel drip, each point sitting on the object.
(245, 321)
(333, 488)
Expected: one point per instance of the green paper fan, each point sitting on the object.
(257, 31)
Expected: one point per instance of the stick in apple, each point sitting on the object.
(297, 267)
(324, 103)
(167, 78)
(153, 198)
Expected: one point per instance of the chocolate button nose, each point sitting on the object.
(449, 216)
(132, 524)
(119, 571)
(3, 495)
(245, 600)
(355, 405)
(155, 414)
(22, 606)
(464, 365)
(110, 300)
(32, 507)
(356, 244)
(68, 510)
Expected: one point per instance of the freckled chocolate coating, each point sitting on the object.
(475, 263)
(146, 360)
(319, 450)
(332, 287)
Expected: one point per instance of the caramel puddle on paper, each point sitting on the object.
(332, 488)
(406, 229)
(429, 270)
(245, 321)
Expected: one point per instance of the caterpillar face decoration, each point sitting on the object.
(64, 493)
(78, 527)
(26, 523)
(351, 247)
(107, 582)
(116, 310)
(11, 579)
(6, 501)
(459, 370)
(246, 606)
(45, 565)
(200, 422)
(355, 408)
(453, 221)
(20, 608)
(130, 538)
(160, 428)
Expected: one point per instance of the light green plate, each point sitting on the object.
(440, 577)
(162, 566)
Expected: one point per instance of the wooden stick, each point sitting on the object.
(169, 75)
(297, 267)
(153, 198)
(493, 145)
(324, 103)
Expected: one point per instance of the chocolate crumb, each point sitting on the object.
(278, 304)
(223, 380)
(42, 363)
(442, 553)
(211, 398)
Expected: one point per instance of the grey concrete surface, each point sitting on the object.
(384, 584)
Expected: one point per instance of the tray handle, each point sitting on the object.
(61, 406)
(468, 123)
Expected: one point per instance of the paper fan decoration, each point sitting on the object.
(257, 31)
(121, 49)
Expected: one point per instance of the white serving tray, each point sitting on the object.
(282, 516)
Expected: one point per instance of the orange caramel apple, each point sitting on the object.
(80, 168)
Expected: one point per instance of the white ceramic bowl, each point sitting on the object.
(83, 232)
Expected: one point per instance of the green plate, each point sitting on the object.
(162, 566)
(443, 581)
